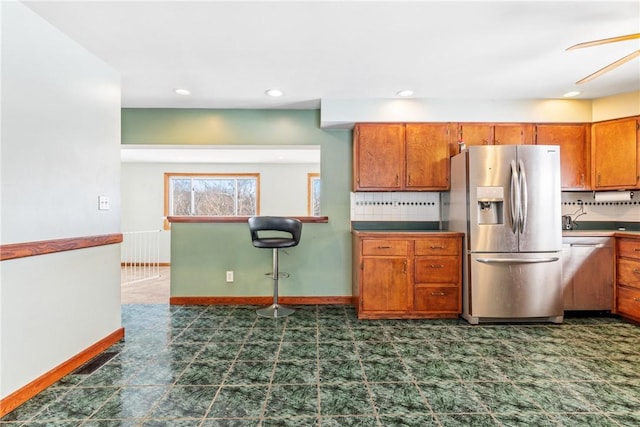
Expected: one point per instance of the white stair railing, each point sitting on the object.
(140, 256)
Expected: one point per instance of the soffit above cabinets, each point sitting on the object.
(219, 154)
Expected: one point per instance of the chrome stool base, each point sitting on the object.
(275, 311)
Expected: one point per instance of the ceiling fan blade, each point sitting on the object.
(605, 41)
(610, 67)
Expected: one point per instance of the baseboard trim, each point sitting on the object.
(346, 300)
(20, 396)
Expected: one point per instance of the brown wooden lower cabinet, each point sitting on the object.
(407, 274)
(628, 278)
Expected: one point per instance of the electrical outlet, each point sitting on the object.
(229, 276)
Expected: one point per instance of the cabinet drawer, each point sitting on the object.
(437, 299)
(438, 246)
(629, 272)
(385, 247)
(437, 269)
(629, 248)
(629, 302)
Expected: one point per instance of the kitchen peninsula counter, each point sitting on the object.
(236, 219)
(204, 249)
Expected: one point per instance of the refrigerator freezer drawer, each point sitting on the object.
(515, 285)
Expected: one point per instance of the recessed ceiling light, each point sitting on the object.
(274, 92)
(405, 93)
(180, 91)
(571, 94)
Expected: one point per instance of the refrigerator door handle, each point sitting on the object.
(522, 184)
(517, 260)
(514, 201)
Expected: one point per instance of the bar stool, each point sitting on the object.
(273, 232)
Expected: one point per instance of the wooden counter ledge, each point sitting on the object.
(236, 219)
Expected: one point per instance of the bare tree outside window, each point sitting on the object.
(181, 196)
(313, 197)
(211, 194)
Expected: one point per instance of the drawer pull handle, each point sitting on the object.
(437, 266)
(637, 299)
(636, 270)
(384, 247)
(436, 247)
(438, 294)
(636, 249)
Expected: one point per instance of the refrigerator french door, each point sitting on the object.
(507, 201)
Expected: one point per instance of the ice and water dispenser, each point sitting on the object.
(490, 205)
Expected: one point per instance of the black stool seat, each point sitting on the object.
(274, 242)
(267, 231)
(274, 232)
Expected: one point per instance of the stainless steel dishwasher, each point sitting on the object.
(588, 272)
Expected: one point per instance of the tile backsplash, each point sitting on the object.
(582, 206)
(425, 206)
(395, 206)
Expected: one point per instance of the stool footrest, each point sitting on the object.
(281, 275)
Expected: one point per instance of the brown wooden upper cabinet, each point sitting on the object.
(495, 133)
(378, 156)
(615, 156)
(573, 140)
(401, 157)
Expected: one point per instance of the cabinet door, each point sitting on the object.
(475, 134)
(427, 157)
(385, 285)
(378, 157)
(572, 140)
(513, 134)
(615, 154)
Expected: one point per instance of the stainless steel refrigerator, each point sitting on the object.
(506, 199)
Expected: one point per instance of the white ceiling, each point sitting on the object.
(228, 53)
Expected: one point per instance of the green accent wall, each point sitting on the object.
(202, 253)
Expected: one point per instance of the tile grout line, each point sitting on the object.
(231, 366)
(263, 410)
(175, 381)
(376, 413)
(414, 382)
(169, 387)
(319, 417)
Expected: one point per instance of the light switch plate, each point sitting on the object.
(103, 203)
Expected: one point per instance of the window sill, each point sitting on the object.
(235, 219)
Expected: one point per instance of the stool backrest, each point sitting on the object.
(277, 224)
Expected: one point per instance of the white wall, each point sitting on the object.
(613, 107)
(283, 191)
(60, 150)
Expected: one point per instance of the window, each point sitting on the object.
(211, 194)
(313, 195)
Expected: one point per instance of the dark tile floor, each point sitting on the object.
(222, 366)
